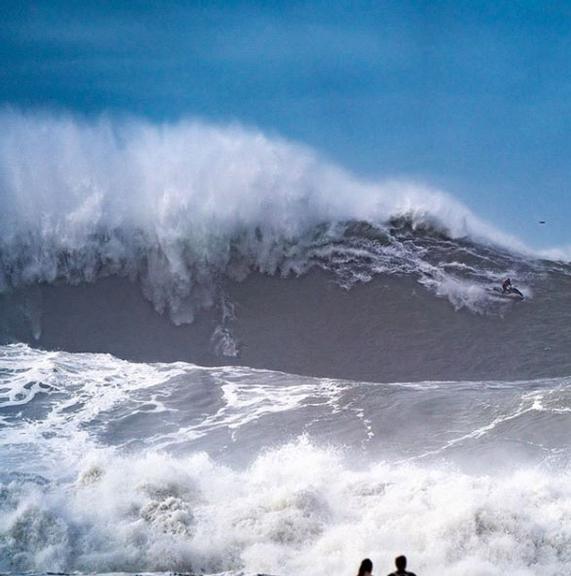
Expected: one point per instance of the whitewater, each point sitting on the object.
(173, 205)
(222, 353)
(112, 466)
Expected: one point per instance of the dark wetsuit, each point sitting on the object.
(403, 573)
(507, 285)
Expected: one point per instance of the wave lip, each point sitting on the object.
(178, 205)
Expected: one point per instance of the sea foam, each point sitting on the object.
(102, 471)
(296, 507)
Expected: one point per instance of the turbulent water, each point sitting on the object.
(159, 288)
(112, 466)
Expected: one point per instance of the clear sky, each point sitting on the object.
(473, 97)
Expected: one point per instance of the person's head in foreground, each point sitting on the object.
(400, 562)
(366, 568)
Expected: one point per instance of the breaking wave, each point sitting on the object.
(293, 508)
(110, 466)
(178, 206)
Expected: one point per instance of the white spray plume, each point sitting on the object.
(169, 203)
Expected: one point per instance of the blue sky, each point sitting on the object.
(473, 97)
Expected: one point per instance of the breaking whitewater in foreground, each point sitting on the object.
(111, 466)
(221, 354)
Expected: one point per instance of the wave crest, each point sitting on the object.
(176, 205)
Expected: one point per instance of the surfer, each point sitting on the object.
(400, 563)
(366, 568)
(508, 288)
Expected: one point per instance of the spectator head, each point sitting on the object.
(366, 568)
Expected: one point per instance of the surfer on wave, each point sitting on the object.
(507, 288)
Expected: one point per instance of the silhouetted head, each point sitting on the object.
(400, 562)
(366, 568)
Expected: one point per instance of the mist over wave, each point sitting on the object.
(177, 206)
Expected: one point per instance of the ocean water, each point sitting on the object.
(221, 354)
(112, 466)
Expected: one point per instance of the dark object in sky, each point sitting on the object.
(542, 221)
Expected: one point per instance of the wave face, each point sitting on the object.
(113, 466)
(179, 206)
(253, 250)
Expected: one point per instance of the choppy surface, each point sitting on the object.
(112, 466)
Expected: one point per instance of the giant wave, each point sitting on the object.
(447, 439)
(176, 206)
(235, 237)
